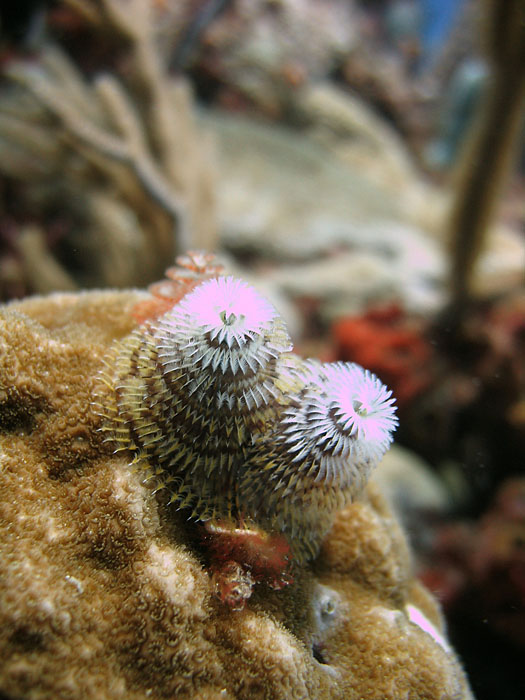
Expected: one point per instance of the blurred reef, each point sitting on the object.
(362, 165)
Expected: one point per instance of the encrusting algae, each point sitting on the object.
(107, 590)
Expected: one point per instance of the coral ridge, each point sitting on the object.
(105, 590)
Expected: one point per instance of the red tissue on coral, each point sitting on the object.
(243, 556)
(191, 269)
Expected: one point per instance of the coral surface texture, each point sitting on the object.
(106, 589)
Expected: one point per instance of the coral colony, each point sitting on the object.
(106, 591)
(260, 445)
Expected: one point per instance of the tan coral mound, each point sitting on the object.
(103, 588)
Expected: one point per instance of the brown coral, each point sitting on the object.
(103, 589)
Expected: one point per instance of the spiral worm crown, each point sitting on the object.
(322, 450)
(215, 408)
(227, 336)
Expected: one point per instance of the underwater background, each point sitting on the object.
(362, 165)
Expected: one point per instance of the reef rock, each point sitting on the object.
(105, 590)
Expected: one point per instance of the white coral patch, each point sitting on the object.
(171, 572)
(129, 491)
(55, 531)
(264, 636)
(417, 618)
(390, 616)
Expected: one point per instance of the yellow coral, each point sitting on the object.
(103, 592)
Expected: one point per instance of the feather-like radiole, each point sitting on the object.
(318, 456)
(215, 408)
(192, 387)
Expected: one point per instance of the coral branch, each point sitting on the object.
(39, 265)
(132, 135)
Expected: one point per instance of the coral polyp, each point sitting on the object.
(215, 408)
